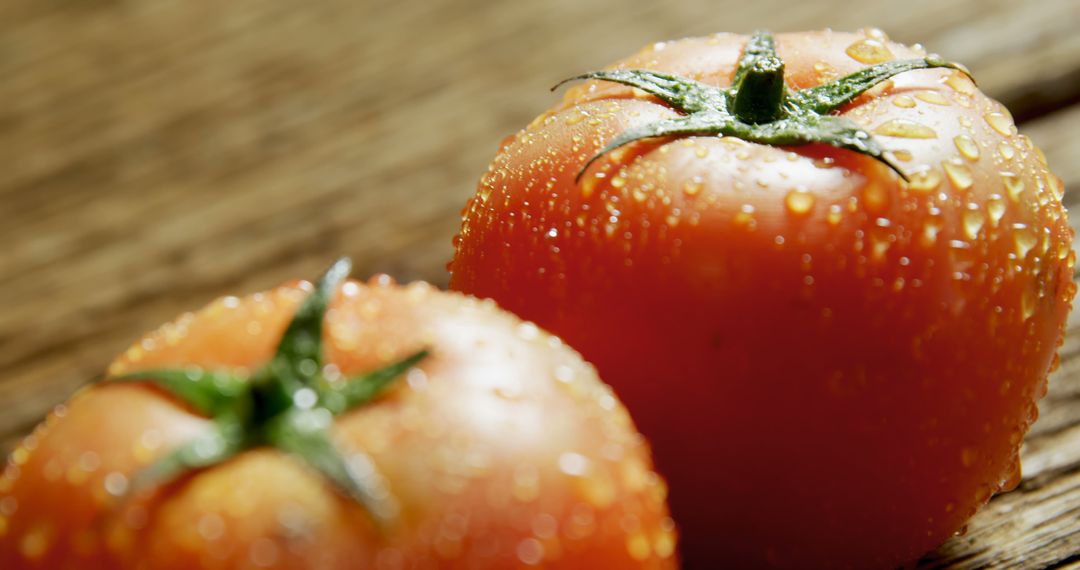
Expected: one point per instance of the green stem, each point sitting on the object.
(759, 98)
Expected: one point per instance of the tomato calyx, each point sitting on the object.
(759, 107)
(289, 404)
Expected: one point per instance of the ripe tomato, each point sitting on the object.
(835, 365)
(498, 448)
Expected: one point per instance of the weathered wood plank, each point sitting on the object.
(1029, 528)
(147, 132)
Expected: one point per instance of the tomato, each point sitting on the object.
(479, 441)
(832, 325)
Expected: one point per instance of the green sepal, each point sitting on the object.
(706, 124)
(304, 434)
(340, 397)
(223, 442)
(829, 97)
(685, 95)
(839, 132)
(211, 393)
(298, 359)
(835, 131)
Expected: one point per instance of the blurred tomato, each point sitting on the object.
(499, 449)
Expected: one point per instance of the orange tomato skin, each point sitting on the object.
(835, 368)
(502, 448)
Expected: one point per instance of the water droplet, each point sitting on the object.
(545, 526)
(618, 182)
(973, 221)
(588, 186)
(903, 101)
(1013, 184)
(530, 551)
(1006, 150)
(745, 217)
(1024, 238)
(835, 215)
(638, 195)
(573, 464)
(959, 174)
(1039, 154)
(693, 186)
(116, 484)
(968, 456)
(35, 543)
(995, 207)
(924, 181)
(824, 69)
(880, 242)
(597, 489)
(905, 129)
(664, 544)
(875, 196)
(637, 545)
(1027, 303)
(305, 398)
(526, 486)
(1063, 250)
(1057, 187)
(210, 526)
(1000, 123)
(20, 456)
(609, 227)
(869, 50)
(960, 83)
(968, 148)
(932, 97)
(799, 202)
(582, 522)
(903, 155)
(135, 353)
(930, 231)
(528, 331)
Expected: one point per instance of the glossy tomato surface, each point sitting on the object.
(835, 367)
(502, 449)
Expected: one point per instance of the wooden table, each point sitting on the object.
(156, 154)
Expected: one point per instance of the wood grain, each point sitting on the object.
(161, 153)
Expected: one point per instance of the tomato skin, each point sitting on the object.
(502, 448)
(835, 368)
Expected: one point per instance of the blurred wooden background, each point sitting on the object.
(157, 153)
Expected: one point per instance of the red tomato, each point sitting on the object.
(500, 449)
(835, 366)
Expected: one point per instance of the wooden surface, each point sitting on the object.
(158, 153)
